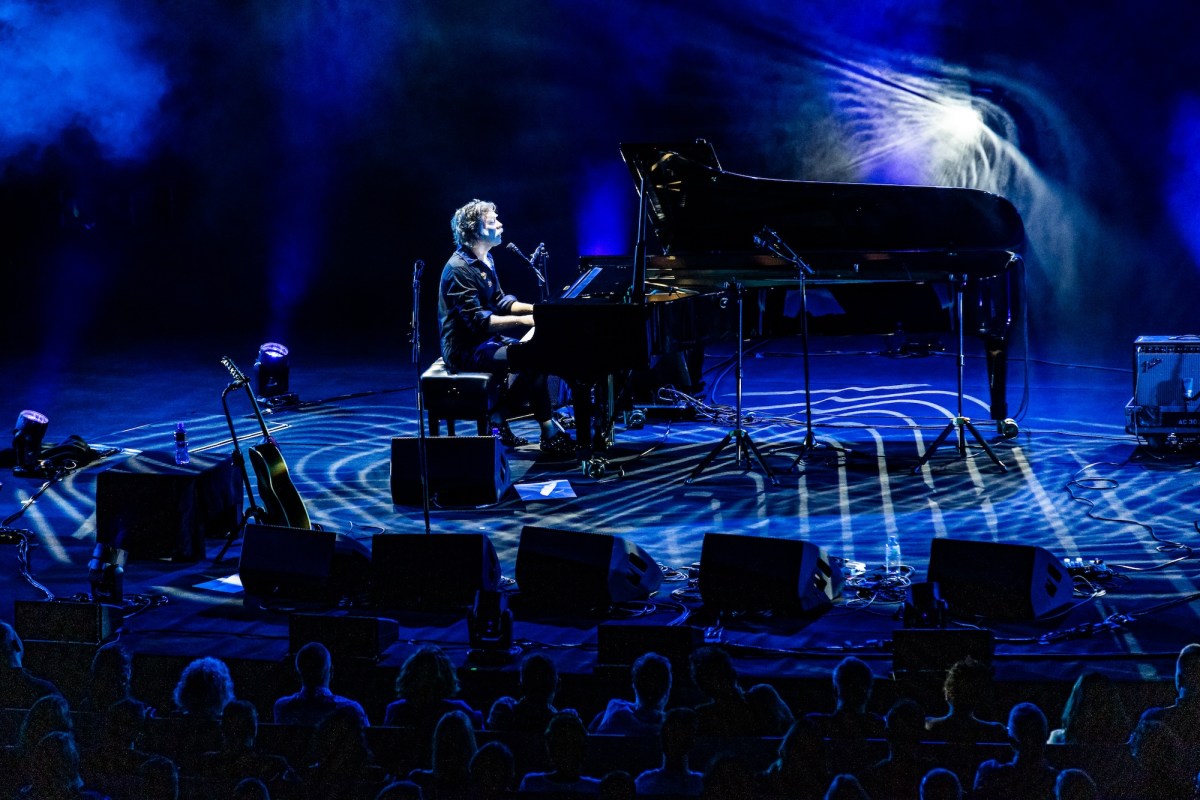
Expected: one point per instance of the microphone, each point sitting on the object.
(517, 250)
(418, 268)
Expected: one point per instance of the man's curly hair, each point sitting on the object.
(466, 221)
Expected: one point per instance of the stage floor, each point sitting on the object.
(1076, 484)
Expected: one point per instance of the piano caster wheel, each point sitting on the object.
(594, 467)
(1007, 428)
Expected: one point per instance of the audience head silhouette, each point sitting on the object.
(47, 715)
(651, 681)
(713, 672)
(852, 680)
(427, 676)
(12, 649)
(967, 684)
(111, 673)
(204, 688)
(314, 665)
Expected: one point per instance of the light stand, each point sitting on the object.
(423, 465)
(959, 424)
(746, 449)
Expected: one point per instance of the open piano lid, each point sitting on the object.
(695, 208)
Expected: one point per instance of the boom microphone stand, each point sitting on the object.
(959, 423)
(423, 466)
(768, 239)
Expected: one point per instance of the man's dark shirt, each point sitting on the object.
(468, 295)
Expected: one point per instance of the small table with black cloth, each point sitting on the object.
(151, 507)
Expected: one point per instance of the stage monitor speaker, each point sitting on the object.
(301, 564)
(997, 580)
(67, 621)
(757, 573)
(463, 470)
(576, 571)
(431, 571)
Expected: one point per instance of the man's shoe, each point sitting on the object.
(560, 444)
(507, 437)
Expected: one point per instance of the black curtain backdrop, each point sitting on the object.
(251, 171)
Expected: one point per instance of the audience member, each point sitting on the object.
(54, 771)
(159, 778)
(309, 706)
(617, 785)
(19, 688)
(238, 757)
(530, 713)
(846, 787)
(453, 749)
(726, 711)
(201, 694)
(109, 764)
(46, 715)
(899, 775)
(772, 715)
(1183, 717)
(492, 771)
(966, 688)
(251, 789)
(798, 773)
(1074, 784)
(340, 765)
(852, 682)
(204, 689)
(674, 777)
(941, 784)
(110, 677)
(851, 724)
(426, 687)
(644, 716)
(728, 777)
(1028, 775)
(1094, 713)
(566, 747)
(1161, 766)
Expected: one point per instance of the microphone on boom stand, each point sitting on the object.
(538, 252)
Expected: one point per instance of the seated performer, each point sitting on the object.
(479, 323)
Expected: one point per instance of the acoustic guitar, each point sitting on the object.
(283, 504)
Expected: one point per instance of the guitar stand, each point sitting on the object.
(746, 450)
(254, 511)
(959, 423)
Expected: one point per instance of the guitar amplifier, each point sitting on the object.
(1166, 386)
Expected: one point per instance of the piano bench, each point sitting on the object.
(450, 395)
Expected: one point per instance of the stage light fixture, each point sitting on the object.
(106, 574)
(924, 606)
(27, 443)
(490, 629)
(271, 376)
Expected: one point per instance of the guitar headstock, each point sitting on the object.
(236, 373)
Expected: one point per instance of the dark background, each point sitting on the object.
(244, 171)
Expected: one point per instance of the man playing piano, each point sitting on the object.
(479, 324)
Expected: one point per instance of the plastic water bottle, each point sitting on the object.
(891, 554)
(181, 444)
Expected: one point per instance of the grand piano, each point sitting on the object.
(848, 236)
